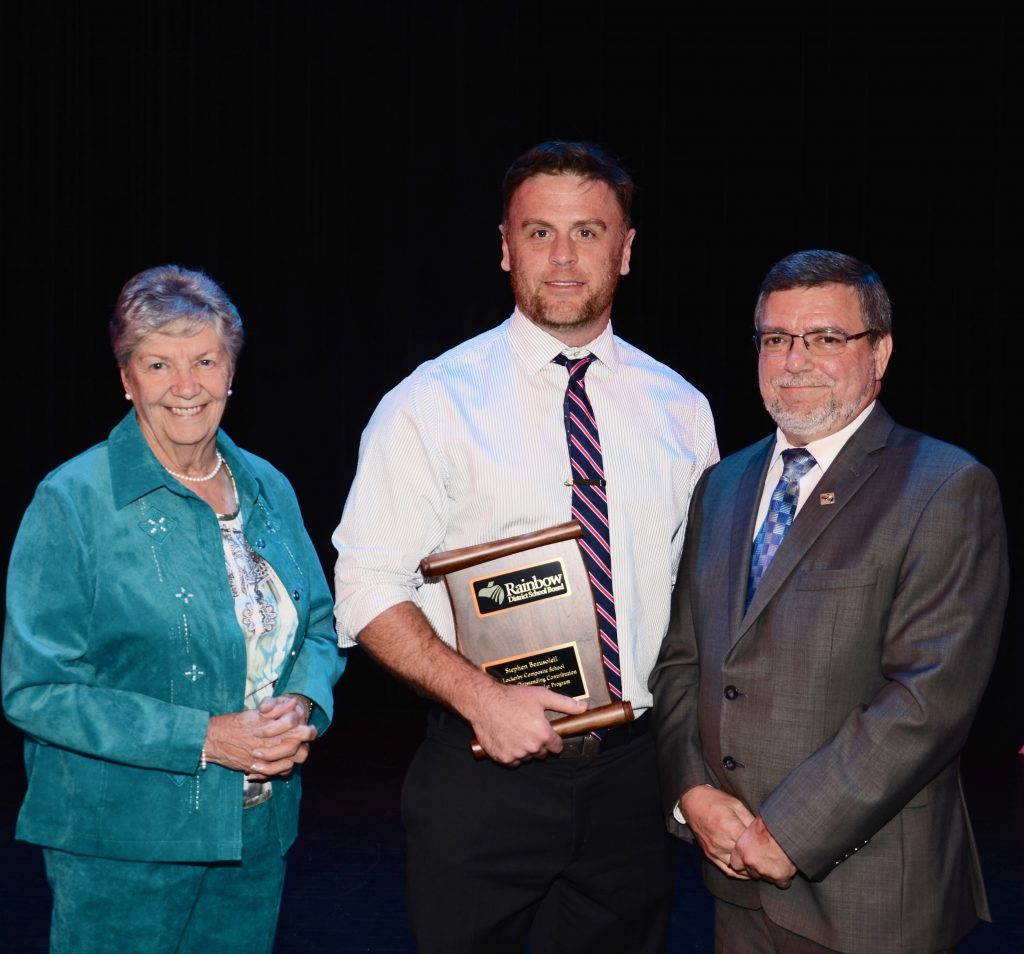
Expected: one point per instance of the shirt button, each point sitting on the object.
(731, 692)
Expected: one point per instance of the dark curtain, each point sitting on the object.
(336, 167)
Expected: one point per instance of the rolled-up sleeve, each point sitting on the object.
(396, 512)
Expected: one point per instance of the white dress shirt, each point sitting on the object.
(471, 448)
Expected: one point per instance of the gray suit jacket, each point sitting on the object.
(837, 704)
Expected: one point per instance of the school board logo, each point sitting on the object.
(520, 587)
(492, 592)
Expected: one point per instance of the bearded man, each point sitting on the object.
(559, 842)
(835, 621)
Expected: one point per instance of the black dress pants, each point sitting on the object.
(569, 854)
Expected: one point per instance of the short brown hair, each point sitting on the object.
(584, 159)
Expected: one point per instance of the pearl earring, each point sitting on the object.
(127, 396)
(230, 392)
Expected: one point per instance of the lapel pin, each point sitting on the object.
(827, 499)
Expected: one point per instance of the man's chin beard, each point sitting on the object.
(810, 425)
(541, 316)
(589, 312)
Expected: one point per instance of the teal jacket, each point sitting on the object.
(121, 641)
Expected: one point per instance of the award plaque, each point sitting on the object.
(524, 613)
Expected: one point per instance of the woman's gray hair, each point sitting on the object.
(170, 294)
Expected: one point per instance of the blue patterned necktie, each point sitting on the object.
(796, 462)
(590, 508)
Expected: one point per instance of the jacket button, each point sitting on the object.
(260, 543)
(295, 595)
(731, 692)
(729, 762)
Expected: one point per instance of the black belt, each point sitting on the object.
(589, 747)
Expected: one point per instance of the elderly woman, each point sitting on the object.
(169, 652)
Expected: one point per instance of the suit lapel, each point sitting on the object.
(851, 469)
(747, 496)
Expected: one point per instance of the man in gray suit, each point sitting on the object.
(836, 618)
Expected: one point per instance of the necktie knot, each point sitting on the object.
(796, 461)
(577, 367)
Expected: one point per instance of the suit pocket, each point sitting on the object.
(836, 579)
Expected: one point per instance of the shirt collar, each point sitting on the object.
(535, 348)
(135, 471)
(825, 449)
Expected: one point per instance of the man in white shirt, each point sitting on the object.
(554, 841)
(835, 621)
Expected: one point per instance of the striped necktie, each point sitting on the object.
(590, 508)
(796, 462)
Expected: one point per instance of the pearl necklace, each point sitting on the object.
(199, 480)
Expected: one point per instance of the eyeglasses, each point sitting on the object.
(826, 341)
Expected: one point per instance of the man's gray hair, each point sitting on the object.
(816, 266)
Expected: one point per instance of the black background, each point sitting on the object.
(336, 168)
